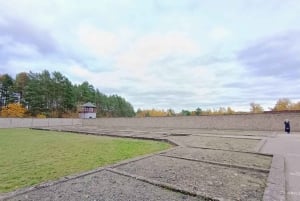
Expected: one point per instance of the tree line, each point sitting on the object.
(170, 112)
(282, 105)
(48, 94)
(53, 95)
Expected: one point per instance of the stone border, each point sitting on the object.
(260, 145)
(276, 189)
(246, 152)
(161, 139)
(219, 164)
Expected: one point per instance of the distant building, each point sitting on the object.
(87, 111)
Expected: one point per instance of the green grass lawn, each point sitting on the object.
(29, 157)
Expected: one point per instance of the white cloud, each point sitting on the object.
(220, 33)
(173, 54)
(99, 42)
(154, 47)
(101, 80)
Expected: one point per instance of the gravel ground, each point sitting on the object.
(101, 131)
(103, 186)
(194, 131)
(116, 132)
(220, 132)
(220, 156)
(209, 180)
(159, 132)
(234, 144)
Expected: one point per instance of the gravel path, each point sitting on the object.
(229, 157)
(103, 186)
(168, 131)
(210, 180)
(234, 144)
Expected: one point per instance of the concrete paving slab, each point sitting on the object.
(287, 146)
(275, 189)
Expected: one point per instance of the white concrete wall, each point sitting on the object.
(90, 115)
(268, 122)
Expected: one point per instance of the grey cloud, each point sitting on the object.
(20, 31)
(160, 98)
(211, 58)
(159, 93)
(260, 91)
(16, 34)
(275, 56)
(170, 92)
(42, 46)
(273, 67)
(237, 84)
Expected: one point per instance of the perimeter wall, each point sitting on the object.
(34, 122)
(264, 122)
(268, 122)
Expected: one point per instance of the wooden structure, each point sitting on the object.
(87, 111)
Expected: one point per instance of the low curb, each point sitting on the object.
(275, 189)
(220, 164)
(260, 145)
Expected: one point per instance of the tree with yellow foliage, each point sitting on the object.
(256, 108)
(13, 110)
(207, 112)
(295, 106)
(282, 104)
(153, 113)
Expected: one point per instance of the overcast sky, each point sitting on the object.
(179, 54)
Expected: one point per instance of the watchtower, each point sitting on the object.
(87, 111)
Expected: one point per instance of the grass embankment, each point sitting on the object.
(29, 157)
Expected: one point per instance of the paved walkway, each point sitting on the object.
(289, 147)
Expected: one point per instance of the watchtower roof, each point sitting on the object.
(88, 104)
